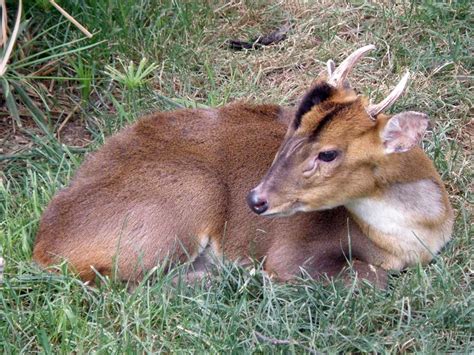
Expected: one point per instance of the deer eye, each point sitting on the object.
(328, 155)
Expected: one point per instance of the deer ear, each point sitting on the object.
(404, 131)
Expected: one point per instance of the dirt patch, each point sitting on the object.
(15, 140)
(75, 134)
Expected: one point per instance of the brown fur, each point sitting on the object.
(364, 177)
(153, 190)
(172, 186)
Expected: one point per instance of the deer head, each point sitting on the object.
(334, 146)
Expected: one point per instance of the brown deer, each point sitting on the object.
(172, 187)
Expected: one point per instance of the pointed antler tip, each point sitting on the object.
(330, 66)
(338, 76)
(374, 110)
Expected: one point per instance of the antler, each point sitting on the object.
(338, 76)
(330, 66)
(374, 110)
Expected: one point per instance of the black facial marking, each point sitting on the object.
(325, 120)
(313, 97)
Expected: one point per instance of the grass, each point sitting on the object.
(70, 92)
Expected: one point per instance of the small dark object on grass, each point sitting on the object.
(262, 40)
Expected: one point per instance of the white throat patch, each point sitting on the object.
(398, 220)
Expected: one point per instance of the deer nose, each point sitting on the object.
(257, 202)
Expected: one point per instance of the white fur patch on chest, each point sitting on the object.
(397, 217)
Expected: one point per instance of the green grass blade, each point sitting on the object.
(10, 100)
(37, 115)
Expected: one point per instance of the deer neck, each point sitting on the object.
(410, 220)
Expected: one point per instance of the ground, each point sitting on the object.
(62, 93)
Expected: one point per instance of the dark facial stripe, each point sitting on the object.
(284, 153)
(313, 97)
(325, 120)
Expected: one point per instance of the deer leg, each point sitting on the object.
(362, 270)
(286, 261)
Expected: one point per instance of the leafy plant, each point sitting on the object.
(132, 76)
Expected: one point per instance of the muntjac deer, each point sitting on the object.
(172, 187)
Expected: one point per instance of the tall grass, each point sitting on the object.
(63, 83)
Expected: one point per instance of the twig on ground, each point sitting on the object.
(72, 19)
(74, 110)
(45, 69)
